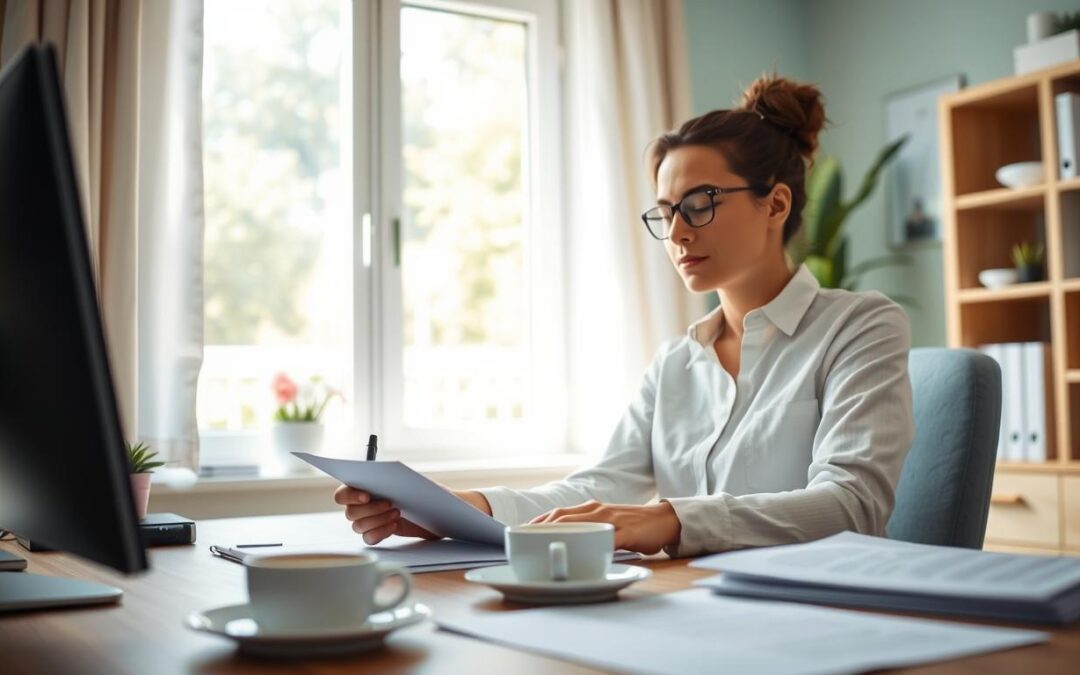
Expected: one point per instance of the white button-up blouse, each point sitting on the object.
(807, 442)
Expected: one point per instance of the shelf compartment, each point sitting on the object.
(991, 132)
(986, 236)
(1072, 328)
(1005, 319)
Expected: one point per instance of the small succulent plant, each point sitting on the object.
(1028, 254)
(140, 458)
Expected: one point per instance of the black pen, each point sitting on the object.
(372, 447)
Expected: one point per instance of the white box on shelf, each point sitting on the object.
(1067, 111)
(1049, 52)
(1012, 401)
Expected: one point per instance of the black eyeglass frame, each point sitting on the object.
(713, 192)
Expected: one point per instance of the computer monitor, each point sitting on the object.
(63, 467)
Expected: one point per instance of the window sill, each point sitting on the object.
(457, 474)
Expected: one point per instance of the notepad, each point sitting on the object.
(419, 556)
(877, 573)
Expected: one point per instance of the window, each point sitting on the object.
(434, 141)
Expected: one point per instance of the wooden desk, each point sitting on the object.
(144, 634)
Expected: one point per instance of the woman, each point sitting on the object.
(782, 416)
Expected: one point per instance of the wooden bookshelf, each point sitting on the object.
(1035, 506)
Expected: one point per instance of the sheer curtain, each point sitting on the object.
(627, 80)
(131, 74)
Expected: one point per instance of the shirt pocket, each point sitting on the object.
(779, 445)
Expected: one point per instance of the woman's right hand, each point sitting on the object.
(377, 519)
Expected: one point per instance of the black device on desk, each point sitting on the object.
(63, 469)
(166, 529)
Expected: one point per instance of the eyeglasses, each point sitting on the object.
(697, 209)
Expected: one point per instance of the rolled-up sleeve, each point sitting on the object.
(865, 432)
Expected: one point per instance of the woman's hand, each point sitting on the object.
(645, 529)
(377, 519)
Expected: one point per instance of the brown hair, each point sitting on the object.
(770, 137)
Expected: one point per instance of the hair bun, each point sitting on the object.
(796, 108)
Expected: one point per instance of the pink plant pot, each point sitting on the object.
(140, 490)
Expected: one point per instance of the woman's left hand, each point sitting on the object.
(644, 529)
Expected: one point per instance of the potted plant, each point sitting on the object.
(822, 243)
(140, 466)
(298, 419)
(1028, 257)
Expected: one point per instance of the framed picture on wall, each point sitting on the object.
(913, 178)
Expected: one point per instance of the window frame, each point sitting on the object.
(545, 430)
(371, 149)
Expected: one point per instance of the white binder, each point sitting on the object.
(994, 352)
(1067, 107)
(1012, 387)
(1038, 425)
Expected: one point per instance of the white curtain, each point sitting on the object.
(627, 81)
(131, 74)
(170, 227)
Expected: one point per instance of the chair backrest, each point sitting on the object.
(943, 496)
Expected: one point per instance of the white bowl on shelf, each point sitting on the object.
(1020, 174)
(998, 277)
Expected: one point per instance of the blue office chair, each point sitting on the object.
(943, 496)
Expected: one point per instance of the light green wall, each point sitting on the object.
(858, 51)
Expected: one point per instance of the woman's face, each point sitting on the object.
(744, 232)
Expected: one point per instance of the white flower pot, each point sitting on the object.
(290, 437)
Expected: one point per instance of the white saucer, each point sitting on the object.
(236, 622)
(502, 579)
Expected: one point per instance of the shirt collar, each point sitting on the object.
(788, 308)
(785, 311)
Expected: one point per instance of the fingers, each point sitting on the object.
(557, 515)
(348, 495)
(375, 523)
(374, 536)
(357, 512)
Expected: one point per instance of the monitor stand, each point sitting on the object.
(22, 591)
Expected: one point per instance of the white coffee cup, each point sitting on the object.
(319, 591)
(560, 551)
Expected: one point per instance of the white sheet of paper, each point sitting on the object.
(860, 561)
(420, 500)
(695, 631)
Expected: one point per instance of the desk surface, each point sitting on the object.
(145, 634)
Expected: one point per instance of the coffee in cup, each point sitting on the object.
(560, 551)
(319, 591)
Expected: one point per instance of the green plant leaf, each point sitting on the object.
(824, 187)
(821, 268)
(871, 178)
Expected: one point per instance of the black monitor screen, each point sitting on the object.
(63, 469)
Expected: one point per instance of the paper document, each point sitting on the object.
(850, 559)
(420, 500)
(861, 571)
(697, 632)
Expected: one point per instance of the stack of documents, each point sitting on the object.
(695, 632)
(858, 570)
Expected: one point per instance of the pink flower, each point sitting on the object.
(284, 389)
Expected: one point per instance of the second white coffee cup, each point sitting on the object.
(302, 592)
(560, 551)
